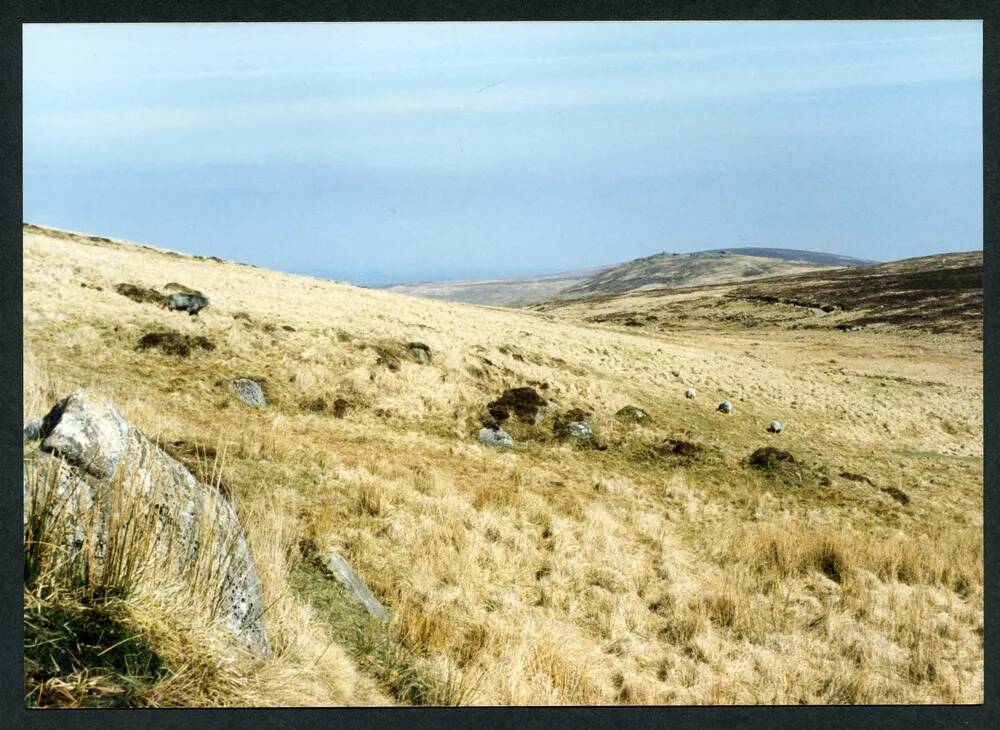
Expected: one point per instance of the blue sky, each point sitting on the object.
(403, 152)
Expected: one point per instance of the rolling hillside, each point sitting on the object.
(665, 269)
(685, 556)
(934, 294)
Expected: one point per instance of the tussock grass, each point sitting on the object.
(546, 574)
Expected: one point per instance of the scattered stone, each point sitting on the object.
(141, 294)
(420, 352)
(250, 392)
(495, 437)
(93, 446)
(192, 302)
(356, 589)
(33, 430)
(690, 393)
(174, 343)
(288, 328)
(340, 407)
(524, 402)
(579, 429)
(632, 413)
(776, 427)
(850, 327)
(726, 407)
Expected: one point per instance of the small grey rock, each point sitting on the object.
(726, 407)
(690, 393)
(250, 391)
(776, 427)
(495, 437)
(420, 355)
(579, 429)
(356, 589)
(33, 431)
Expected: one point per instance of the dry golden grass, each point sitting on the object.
(555, 575)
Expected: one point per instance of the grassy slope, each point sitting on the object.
(551, 574)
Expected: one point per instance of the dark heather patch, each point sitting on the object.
(174, 343)
(523, 402)
(316, 405)
(141, 294)
(768, 458)
(852, 477)
(340, 407)
(897, 494)
(682, 448)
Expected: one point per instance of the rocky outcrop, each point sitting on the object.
(107, 462)
(355, 588)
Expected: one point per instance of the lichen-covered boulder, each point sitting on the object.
(579, 429)
(191, 522)
(690, 393)
(495, 437)
(726, 407)
(250, 392)
(356, 589)
(776, 427)
(189, 301)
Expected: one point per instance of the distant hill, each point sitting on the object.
(940, 294)
(703, 268)
(794, 254)
(499, 292)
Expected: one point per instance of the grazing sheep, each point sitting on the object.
(776, 427)
(690, 393)
(726, 407)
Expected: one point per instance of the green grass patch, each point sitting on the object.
(82, 653)
(398, 670)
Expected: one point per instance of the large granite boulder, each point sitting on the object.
(356, 589)
(109, 465)
(188, 301)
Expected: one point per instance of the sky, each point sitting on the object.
(397, 152)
